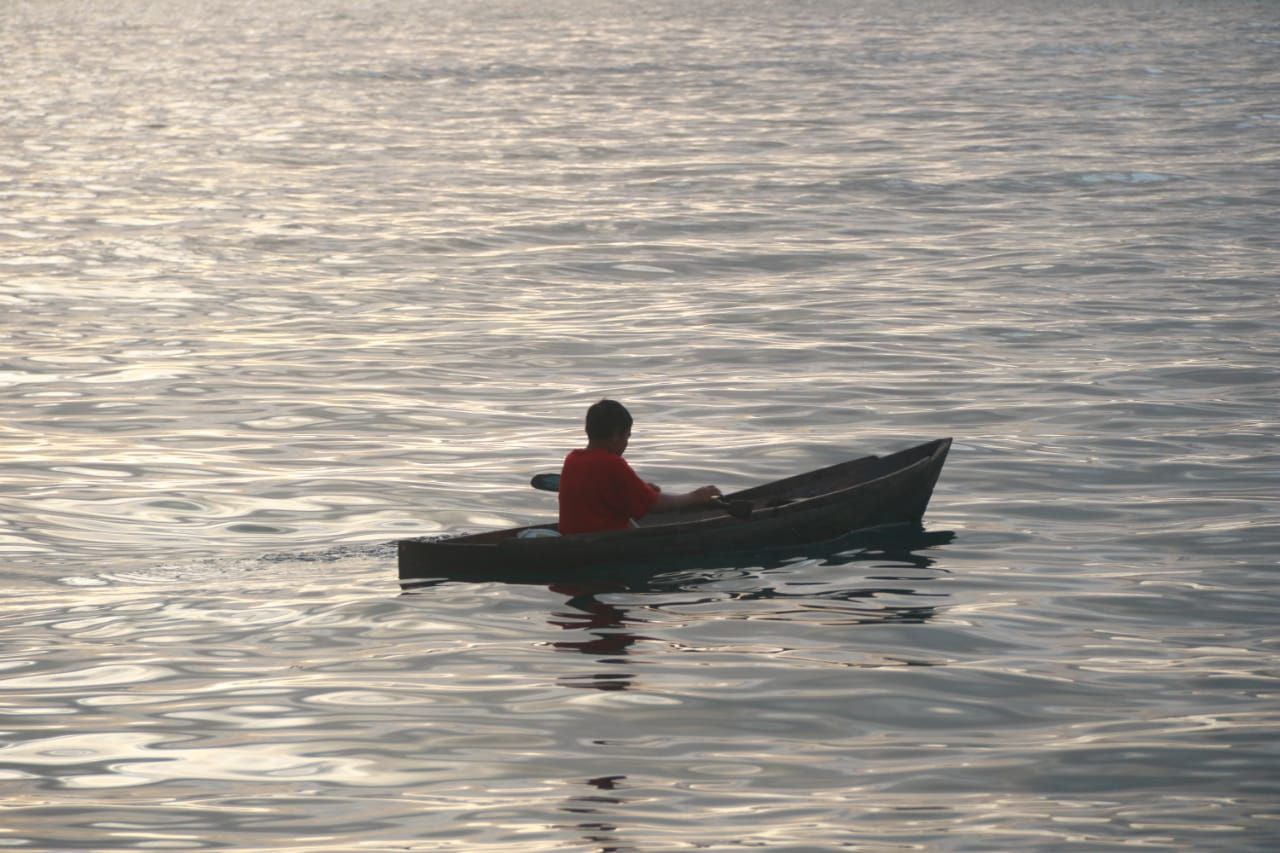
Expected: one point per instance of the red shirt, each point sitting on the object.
(599, 491)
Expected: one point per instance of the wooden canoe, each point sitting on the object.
(801, 511)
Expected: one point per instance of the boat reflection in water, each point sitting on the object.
(608, 629)
(628, 631)
(614, 622)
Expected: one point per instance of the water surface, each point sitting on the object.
(280, 285)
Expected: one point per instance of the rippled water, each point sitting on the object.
(284, 282)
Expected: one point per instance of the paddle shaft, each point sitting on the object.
(738, 509)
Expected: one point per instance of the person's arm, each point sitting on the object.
(698, 497)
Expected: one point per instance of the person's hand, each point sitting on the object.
(686, 500)
(706, 494)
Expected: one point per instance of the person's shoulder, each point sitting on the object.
(591, 456)
(597, 458)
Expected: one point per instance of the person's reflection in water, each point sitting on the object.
(599, 831)
(605, 625)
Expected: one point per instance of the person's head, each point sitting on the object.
(609, 425)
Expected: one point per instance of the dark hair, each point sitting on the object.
(606, 419)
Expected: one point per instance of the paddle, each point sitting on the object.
(546, 482)
(738, 509)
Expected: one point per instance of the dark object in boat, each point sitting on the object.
(803, 510)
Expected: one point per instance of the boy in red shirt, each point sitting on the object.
(598, 489)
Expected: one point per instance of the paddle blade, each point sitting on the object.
(546, 482)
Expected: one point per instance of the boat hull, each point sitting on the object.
(804, 510)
